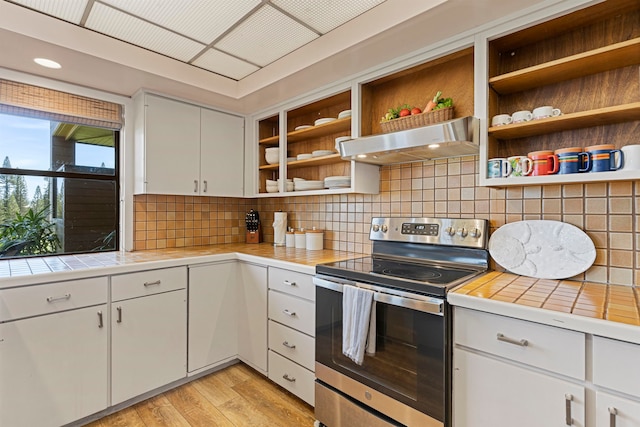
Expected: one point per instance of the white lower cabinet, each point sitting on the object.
(148, 332)
(213, 314)
(292, 332)
(616, 411)
(252, 321)
(492, 393)
(53, 367)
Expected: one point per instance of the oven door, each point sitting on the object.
(410, 364)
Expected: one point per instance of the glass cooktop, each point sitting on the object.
(417, 277)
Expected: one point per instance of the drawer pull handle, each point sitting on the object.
(286, 344)
(288, 283)
(288, 378)
(205, 186)
(157, 282)
(100, 322)
(568, 398)
(195, 185)
(289, 313)
(64, 297)
(119, 319)
(521, 343)
(612, 416)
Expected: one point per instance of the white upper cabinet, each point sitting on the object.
(183, 149)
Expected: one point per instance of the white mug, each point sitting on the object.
(522, 116)
(498, 167)
(546, 111)
(520, 165)
(631, 155)
(501, 119)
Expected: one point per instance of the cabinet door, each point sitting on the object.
(213, 312)
(148, 343)
(53, 369)
(172, 147)
(221, 154)
(613, 411)
(252, 307)
(491, 393)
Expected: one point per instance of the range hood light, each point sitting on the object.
(452, 138)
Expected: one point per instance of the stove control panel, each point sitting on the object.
(465, 232)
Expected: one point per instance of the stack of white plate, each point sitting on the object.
(320, 153)
(304, 156)
(323, 121)
(344, 114)
(303, 185)
(301, 127)
(337, 182)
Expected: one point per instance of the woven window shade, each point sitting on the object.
(48, 104)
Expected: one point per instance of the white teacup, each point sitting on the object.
(545, 112)
(631, 155)
(522, 116)
(501, 119)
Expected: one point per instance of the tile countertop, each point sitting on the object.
(599, 309)
(27, 271)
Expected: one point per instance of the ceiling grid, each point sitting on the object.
(230, 38)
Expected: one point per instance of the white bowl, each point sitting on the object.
(272, 189)
(272, 155)
(271, 182)
(290, 186)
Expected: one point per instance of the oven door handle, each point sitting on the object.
(421, 303)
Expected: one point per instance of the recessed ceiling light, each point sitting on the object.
(47, 63)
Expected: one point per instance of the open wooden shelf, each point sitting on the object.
(617, 55)
(582, 119)
(572, 178)
(314, 161)
(338, 125)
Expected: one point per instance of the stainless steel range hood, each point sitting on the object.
(453, 138)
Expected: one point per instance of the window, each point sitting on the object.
(59, 189)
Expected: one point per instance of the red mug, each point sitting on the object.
(544, 163)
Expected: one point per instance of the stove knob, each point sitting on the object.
(475, 233)
(376, 227)
(384, 228)
(462, 232)
(450, 231)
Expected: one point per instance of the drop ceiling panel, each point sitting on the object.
(266, 36)
(125, 27)
(325, 15)
(202, 20)
(68, 10)
(221, 63)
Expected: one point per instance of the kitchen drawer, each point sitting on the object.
(48, 298)
(293, 283)
(554, 349)
(133, 285)
(296, 313)
(292, 377)
(615, 365)
(292, 344)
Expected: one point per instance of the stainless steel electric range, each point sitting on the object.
(407, 381)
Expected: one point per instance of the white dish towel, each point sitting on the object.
(358, 322)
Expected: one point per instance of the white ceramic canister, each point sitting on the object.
(301, 239)
(290, 240)
(315, 240)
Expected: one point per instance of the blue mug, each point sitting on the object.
(604, 159)
(573, 160)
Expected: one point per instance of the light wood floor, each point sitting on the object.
(236, 396)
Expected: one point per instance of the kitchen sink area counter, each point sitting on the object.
(600, 309)
(27, 271)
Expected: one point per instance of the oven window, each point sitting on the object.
(409, 360)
